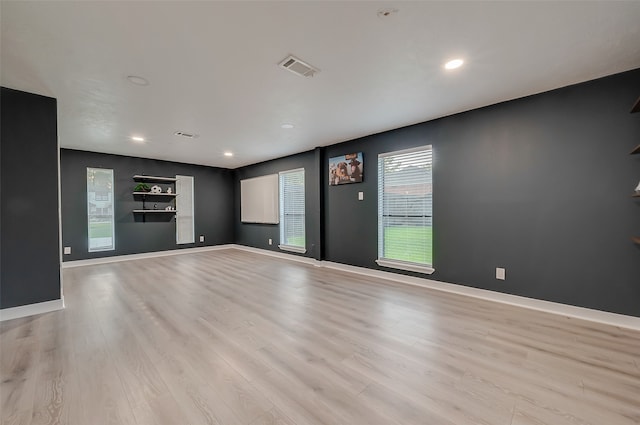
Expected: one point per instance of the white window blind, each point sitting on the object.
(101, 227)
(292, 214)
(259, 199)
(405, 209)
(185, 232)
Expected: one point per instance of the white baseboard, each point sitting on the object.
(129, 257)
(614, 319)
(598, 316)
(31, 309)
(278, 254)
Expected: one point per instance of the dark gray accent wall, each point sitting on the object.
(540, 186)
(258, 235)
(29, 241)
(213, 203)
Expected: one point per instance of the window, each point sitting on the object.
(185, 232)
(292, 233)
(405, 209)
(101, 228)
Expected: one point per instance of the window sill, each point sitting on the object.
(404, 265)
(292, 248)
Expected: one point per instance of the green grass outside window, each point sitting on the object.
(408, 243)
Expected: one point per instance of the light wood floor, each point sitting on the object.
(231, 337)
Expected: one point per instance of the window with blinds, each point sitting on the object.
(405, 206)
(292, 215)
(185, 230)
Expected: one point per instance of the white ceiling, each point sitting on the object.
(212, 67)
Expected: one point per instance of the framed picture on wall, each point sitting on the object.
(346, 169)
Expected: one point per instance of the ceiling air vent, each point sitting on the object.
(187, 135)
(295, 65)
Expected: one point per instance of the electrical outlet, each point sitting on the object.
(67, 250)
(270, 241)
(360, 196)
(201, 238)
(500, 273)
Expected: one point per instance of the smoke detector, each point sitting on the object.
(298, 67)
(387, 12)
(186, 135)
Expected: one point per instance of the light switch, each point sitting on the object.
(360, 196)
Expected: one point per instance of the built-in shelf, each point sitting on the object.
(159, 197)
(153, 178)
(155, 194)
(636, 239)
(636, 150)
(155, 211)
(636, 106)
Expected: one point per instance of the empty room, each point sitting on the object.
(320, 212)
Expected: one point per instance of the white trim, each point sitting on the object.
(60, 248)
(185, 212)
(598, 316)
(295, 170)
(129, 257)
(405, 265)
(583, 313)
(281, 213)
(406, 151)
(113, 212)
(418, 154)
(31, 309)
(278, 254)
(592, 315)
(293, 248)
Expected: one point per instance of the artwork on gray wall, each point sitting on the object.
(346, 169)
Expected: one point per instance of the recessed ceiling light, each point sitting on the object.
(137, 138)
(138, 81)
(287, 125)
(453, 64)
(228, 153)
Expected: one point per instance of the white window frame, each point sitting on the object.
(185, 211)
(91, 198)
(391, 262)
(283, 215)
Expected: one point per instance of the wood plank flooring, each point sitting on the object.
(237, 338)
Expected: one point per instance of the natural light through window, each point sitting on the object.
(405, 199)
(292, 214)
(100, 209)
